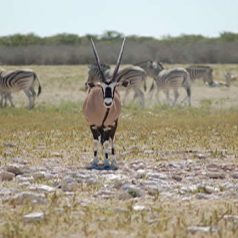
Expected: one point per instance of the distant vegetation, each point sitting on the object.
(73, 49)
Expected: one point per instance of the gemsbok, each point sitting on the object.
(101, 109)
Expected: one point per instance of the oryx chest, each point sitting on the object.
(95, 110)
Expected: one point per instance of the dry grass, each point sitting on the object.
(56, 125)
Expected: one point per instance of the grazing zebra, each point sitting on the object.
(167, 79)
(17, 80)
(197, 72)
(133, 75)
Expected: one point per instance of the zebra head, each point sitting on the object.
(94, 74)
(154, 67)
(108, 82)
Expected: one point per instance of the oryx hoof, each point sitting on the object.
(93, 165)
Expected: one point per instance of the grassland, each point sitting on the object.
(180, 143)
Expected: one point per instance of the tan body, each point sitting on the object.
(95, 111)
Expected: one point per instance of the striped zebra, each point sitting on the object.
(201, 72)
(168, 79)
(19, 80)
(131, 78)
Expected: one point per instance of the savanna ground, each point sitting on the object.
(177, 176)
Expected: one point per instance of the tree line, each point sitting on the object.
(65, 48)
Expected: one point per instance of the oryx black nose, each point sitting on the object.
(108, 92)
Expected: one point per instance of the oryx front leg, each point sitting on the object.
(108, 147)
(96, 142)
(105, 139)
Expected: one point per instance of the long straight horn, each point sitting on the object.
(98, 60)
(118, 60)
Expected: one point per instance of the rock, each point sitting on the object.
(40, 175)
(68, 184)
(202, 196)
(15, 168)
(6, 176)
(22, 178)
(202, 229)
(216, 175)
(234, 175)
(200, 156)
(140, 173)
(9, 144)
(42, 188)
(232, 218)
(156, 176)
(56, 154)
(138, 207)
(177, 177)
(33, 217)
(23, 197)
(132, 190)
(6, 192)
(209, 189)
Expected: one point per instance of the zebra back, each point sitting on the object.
(197, 72)
(173, 78)
(17, 80)
(131, 76)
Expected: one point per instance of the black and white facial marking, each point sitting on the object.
(108, 89)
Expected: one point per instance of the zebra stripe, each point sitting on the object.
(20, 80)
(202, 72)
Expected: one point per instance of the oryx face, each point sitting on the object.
(108, 89)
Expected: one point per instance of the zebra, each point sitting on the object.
(166, 79)
(134, 75)
(201, 72)
(17, 80)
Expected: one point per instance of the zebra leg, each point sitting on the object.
(189, 95)
(33, 95)
(140, 95)
(176, 95)
(167, 96)
(9, 96)
(1, 100)
(30, 98)
(157, 96)
(125, 96)
(5, 97)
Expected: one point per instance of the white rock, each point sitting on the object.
(233, 218)
(42, 188)
(34, 216)
(32, 197)
(138, 207)
(203, 229)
